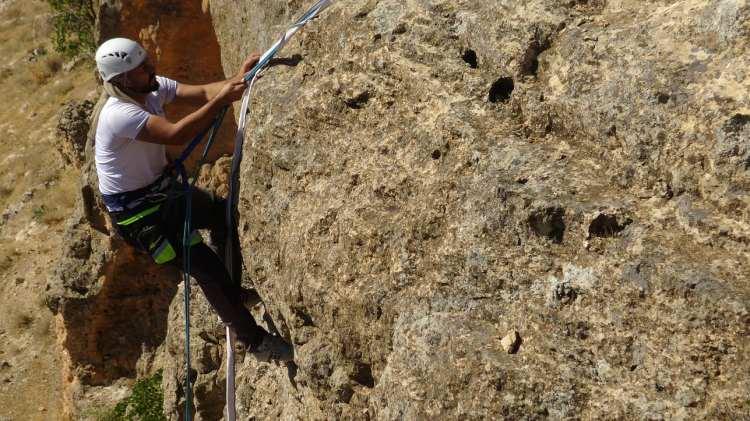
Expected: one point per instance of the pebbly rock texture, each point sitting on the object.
(72, 128)
(484, 210)
(436, 174)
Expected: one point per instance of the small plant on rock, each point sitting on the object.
(38, 213)
(74, 23)
(146, 403)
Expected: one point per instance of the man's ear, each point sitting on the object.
(121, 80)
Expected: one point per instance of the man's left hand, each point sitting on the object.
(249, 63)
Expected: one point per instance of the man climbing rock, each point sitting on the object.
(131, 163)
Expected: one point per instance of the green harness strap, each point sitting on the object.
(161, 250)
(140, 215)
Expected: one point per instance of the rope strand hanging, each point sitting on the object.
(232, 260)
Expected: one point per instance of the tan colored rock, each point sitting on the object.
(511, 342)
(370, 221)
(427, 177)
(72, 129)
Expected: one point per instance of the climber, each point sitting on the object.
(130, 154)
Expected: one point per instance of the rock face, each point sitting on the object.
(72, 128)
(435, 176)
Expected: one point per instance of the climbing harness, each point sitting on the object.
(138, 218)
(232, 260)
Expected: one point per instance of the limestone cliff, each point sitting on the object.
(488, 210)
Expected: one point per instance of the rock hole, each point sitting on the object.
(470, 57)
(606, 226)
(498, 383)
(530, 61)
(193, 376)
(503, 194)
(363, 375)
(564, 293)
(579, 330)
(400, 29)
(304, 318)
(307, 320)
(662, 98)
(79, 289)
(358, 101)
(501, 90)
(292, 61)
(736, 123)
(436, 154)
(549, 223)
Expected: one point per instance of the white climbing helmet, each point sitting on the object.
(117, 56)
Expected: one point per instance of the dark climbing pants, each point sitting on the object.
(206, 266)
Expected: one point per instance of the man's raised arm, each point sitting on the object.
(201, 94)
(160, 130)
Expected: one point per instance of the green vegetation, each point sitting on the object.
(38, 212)
(73, 22)
(145, 404)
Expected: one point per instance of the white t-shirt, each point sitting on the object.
(123, 162)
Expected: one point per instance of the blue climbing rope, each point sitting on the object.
(186, 276)
(187, 185)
